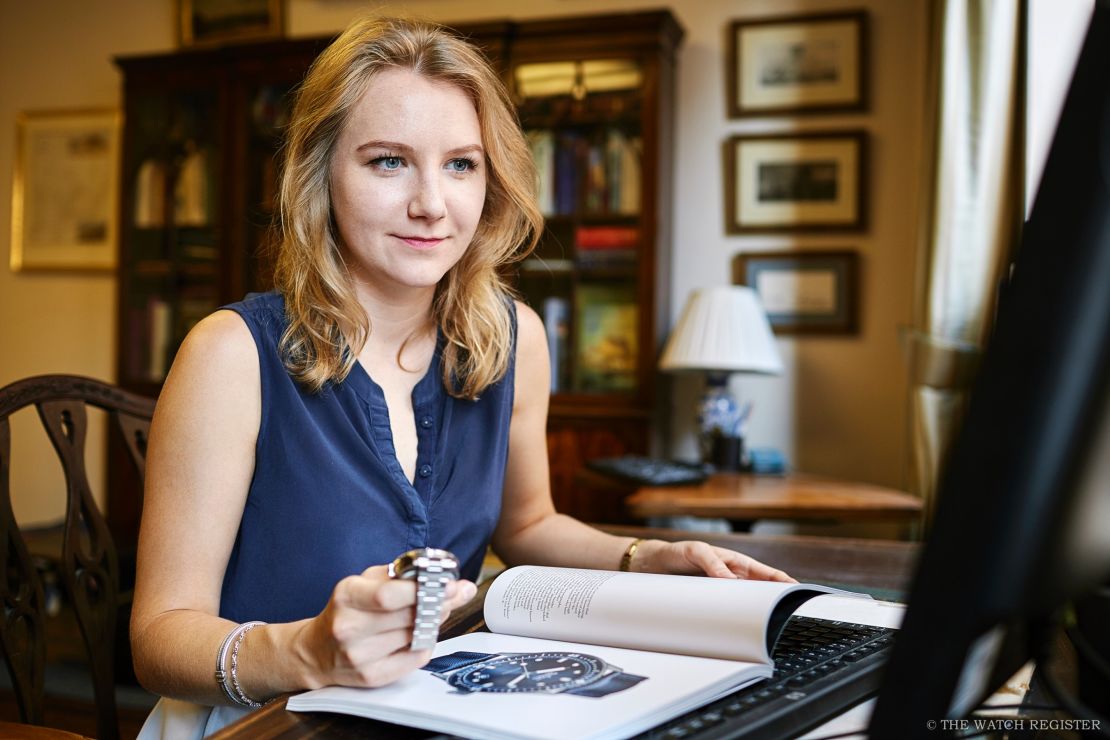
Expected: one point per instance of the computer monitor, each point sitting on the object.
(1022, 524)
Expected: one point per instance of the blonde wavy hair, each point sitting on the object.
(327, 325)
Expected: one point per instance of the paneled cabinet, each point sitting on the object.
(200, 161)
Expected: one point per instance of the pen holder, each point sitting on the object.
(726, 453)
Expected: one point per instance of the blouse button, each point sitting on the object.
(426, 422)
(425, 471)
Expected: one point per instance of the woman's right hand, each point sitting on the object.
(362, 636)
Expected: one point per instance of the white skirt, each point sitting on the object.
(173, 719)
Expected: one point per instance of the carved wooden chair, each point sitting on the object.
(89, 567)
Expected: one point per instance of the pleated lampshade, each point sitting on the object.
(722, 329)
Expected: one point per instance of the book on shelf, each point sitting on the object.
(624, 154)
(197, 244)
(597, 184)
(606, 237)
(191, 194)
(585, 654)
(550, 266)
(200, 252)
(592, 259)
(150, 195)
(569, 167)
(604, 245)
(595, 174)
(607, 338)
(541, 142)
(556, 321)
(160, 326)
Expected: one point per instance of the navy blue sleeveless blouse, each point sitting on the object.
(329, 499)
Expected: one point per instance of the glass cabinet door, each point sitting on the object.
(171, 227)
(583, 122)
(268, 106)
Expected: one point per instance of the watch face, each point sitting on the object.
(529, 672)
(407, 564)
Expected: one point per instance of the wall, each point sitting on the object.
(56, 54)
(839, 409)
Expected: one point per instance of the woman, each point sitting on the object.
(388, 395)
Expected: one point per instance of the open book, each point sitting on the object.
(585, 654)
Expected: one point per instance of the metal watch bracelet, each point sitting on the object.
(431, 590)
(432, 570)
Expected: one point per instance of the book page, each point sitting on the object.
(686, 615)
(836, 608)
(660, 687)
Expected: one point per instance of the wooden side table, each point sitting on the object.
(743, 497)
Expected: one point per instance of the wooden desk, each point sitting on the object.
(742, 496)
(875, 563)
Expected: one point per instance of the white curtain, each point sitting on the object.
(973, 212)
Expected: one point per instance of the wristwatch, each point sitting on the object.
(550, 672)
(432, 570)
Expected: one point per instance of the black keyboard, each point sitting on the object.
(649, 471)
(821, 669)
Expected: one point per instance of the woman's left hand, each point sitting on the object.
(690, 557)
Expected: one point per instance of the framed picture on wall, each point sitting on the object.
(806, 292)
(795, 182)
(205, 22)
(797, 64)
(65, 191)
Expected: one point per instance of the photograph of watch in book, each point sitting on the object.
(578, 674)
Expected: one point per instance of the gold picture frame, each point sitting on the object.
(65, 193)
(213, 22)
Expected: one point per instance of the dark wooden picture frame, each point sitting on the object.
(211, 22)
(798, 64)
(796, 182)
(804, 292)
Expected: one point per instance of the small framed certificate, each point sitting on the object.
(811, 292)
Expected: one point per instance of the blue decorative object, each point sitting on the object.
(767, 461)
(718, 411)
(722, 423)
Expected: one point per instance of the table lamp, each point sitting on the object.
(722, 330)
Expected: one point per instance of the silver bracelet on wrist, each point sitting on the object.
(221, 658)
(243, 698)
(232, 689)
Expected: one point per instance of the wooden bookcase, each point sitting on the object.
(199, 141)
(200, 146)
(605, 256)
